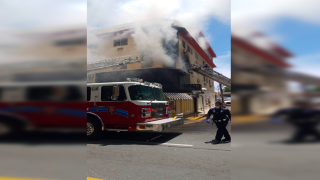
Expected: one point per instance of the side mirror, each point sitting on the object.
(115, 92)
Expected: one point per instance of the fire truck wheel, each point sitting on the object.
(5, 128)
(93, 128)
(10, 126)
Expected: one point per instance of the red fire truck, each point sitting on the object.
(54, 106)
(127, 106)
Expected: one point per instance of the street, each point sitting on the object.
(260, 151)
(179, 153)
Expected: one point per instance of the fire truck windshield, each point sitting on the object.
(138, 92)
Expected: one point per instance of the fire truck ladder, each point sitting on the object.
(111, 62)
(208, 72)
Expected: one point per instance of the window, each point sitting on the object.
(188, 48)
(196, 54)
(203, 62)
(54, 93)
(106, 93)
(120, 42)
(158, 94)
(88, 93)
(138, 92)
(183, 44)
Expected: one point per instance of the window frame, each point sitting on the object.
(120, 85)
(120, 42)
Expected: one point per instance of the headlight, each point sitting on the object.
(145, 112)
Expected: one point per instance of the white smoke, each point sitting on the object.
(193, 15)
(149, 40)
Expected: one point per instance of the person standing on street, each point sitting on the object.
(209, 103)
(221, 117)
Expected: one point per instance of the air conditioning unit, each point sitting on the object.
(185, 51)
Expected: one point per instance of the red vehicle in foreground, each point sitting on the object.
(54, 106)
(127, 106)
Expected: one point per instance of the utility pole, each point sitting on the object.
(221, 92)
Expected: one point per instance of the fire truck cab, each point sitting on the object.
(127, 106)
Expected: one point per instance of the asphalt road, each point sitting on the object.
(180, 153)
(260, 151)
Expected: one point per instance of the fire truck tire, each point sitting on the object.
(10, 126)
(93, 128)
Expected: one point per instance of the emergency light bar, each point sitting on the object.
(147, 83)
(135, 80)
(157, 84)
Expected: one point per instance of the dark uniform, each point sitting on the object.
(221, 117)
(304, 119)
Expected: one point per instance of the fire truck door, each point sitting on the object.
(115, 113)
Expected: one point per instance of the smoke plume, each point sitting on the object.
(150, 38)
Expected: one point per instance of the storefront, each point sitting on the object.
(180, 103)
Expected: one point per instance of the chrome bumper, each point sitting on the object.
(160, 125)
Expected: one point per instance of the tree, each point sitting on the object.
(226, 89)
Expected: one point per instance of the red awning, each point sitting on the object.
(196, 46)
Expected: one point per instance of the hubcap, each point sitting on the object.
(90, 129)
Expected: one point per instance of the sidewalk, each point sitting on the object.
(191, 119)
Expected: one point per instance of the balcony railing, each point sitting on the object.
(110, 62)
(208, 72)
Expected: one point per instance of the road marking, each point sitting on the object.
(170, 144)
(90, 178)
(154, 143)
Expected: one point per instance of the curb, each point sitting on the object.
(249, 119)
(194, 119)
(201, 116)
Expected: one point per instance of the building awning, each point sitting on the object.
(177, 96)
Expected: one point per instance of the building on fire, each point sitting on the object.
(115, 55)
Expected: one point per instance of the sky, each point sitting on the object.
(219, 37)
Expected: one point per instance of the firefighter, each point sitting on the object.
(221, 117)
